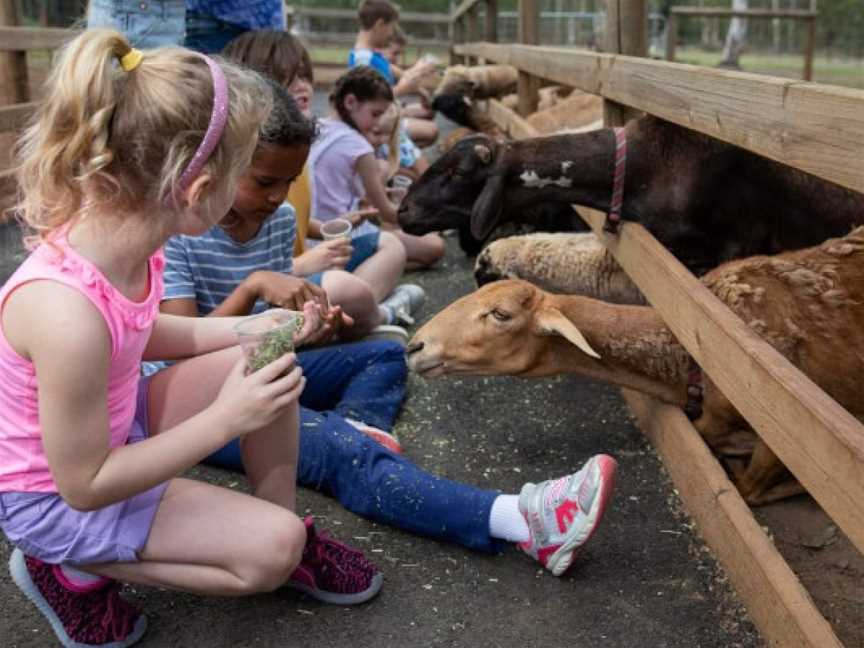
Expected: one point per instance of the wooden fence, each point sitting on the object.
(713, 12)
(300, 20)
(818, 129)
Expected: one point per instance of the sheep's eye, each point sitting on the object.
(500, 315)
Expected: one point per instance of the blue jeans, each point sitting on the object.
(151, 23)
(366, 381)
(209, 35)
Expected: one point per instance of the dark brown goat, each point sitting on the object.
(705, 200)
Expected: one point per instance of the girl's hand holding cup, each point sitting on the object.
(266, 379)
(337, 241)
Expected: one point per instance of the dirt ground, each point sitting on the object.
(645, 579)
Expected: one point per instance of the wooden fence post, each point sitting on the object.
(671, 36)
(528, 86)
(491, 21)
(809, 48)
(472, 19)
(626, 33)
(14, 84)
(457, 37)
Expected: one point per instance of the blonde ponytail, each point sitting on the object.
(118, 141)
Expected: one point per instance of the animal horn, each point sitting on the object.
(553, 322)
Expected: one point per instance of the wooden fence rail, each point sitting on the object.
(714, 12)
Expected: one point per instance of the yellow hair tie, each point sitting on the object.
(131, 60)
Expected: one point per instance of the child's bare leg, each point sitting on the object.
(269, 455)
(423, 132)
(418, 110)
(422, 251)
(211, 540)
(356, 298)
(384, 268)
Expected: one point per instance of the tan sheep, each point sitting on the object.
(572, 264)
(806, 303)
(547, 97)
(478, 81)
(578, 111)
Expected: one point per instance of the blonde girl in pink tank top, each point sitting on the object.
(128, 149)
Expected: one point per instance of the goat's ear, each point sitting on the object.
(488, 207)
(552, 321)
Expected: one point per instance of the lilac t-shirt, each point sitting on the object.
(336, 185)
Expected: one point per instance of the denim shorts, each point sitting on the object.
(147, 23)
(209, 35)
(44, 526)
(364, 247)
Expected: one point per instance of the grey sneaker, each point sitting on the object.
(562, 514)
(388, 332)
(404, 302)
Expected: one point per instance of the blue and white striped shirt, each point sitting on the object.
(209, 267)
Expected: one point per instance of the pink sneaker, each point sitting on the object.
(562, 514)
(333, 572)
(384, 438)
(80, 616)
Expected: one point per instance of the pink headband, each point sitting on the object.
(218, 119)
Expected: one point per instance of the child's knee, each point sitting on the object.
(277, 554)
(353, 294)
(433, 250)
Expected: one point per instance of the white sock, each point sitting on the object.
(78, 577)
(505, 520)
(386, 314)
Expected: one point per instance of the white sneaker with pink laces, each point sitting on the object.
(562, 514)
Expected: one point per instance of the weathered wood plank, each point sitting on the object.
(14, 85)
(818, 440)
(463, 8)
(717, 12)
(33, 38)
(816, 128)
(13, 117)
(776, 600)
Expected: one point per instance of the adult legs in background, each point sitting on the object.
(154, 23)
(209, 35)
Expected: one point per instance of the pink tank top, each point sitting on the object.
(23, 465)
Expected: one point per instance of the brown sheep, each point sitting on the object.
(807, 304)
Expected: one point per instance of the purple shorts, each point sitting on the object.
(44, 526)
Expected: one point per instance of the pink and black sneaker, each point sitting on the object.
(333, 572)
(81, 617)
(562, 514)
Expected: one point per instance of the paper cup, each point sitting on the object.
(400, 180)
(336, 228)
(268, 336)
(396, 195)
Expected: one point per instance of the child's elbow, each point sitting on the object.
(81, 498)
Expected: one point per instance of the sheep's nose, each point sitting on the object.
(414, 347)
